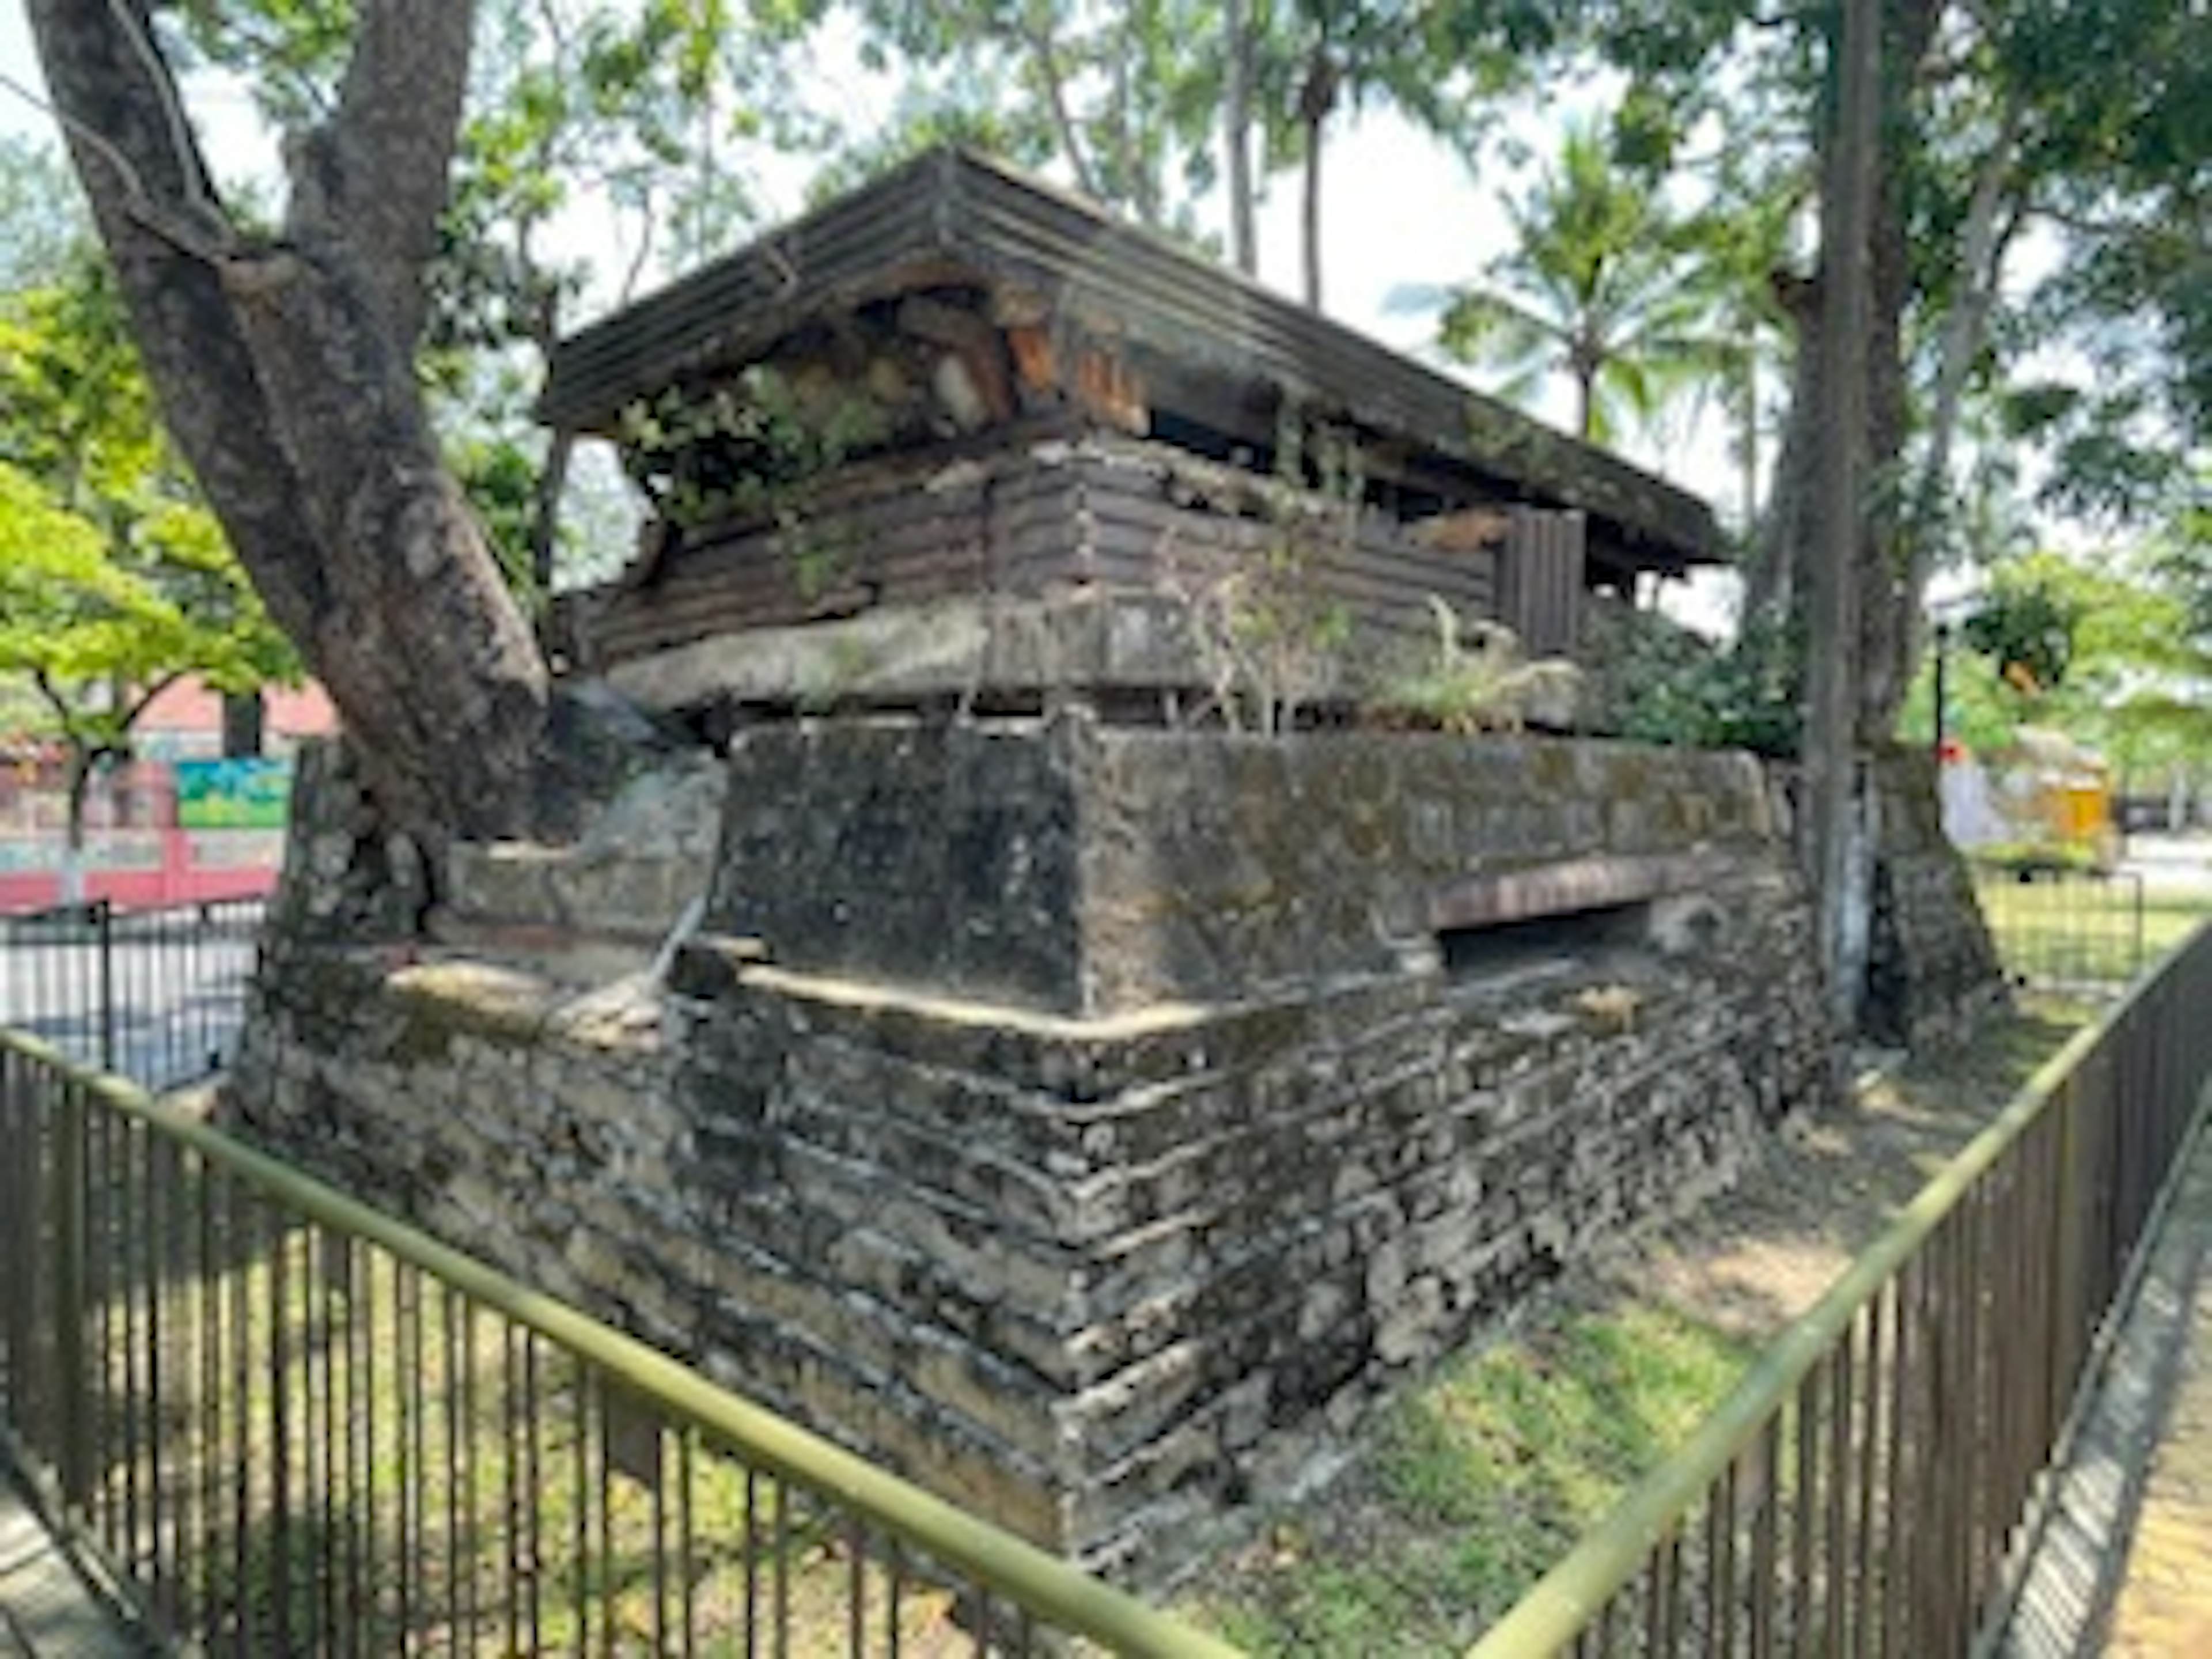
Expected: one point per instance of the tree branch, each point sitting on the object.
(2082, 224)
(1044, 53)
(64, 716)
(133, 26)
(160, 683)
(373, 180)
(114, 98)
(161, 222)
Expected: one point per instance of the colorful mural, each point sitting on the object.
(233, 794)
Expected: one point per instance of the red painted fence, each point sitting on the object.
(138, 868)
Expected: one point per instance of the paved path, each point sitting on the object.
(47, 1612)
(2165, 1604)
(2124, 1565)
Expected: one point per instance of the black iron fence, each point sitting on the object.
(2065, 929)
(1864, 1488)
(284, 1423)
(156, 994)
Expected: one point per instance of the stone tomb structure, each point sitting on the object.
(1089, 1107)
(960, 435)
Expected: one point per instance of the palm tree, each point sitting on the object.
(1440, 65)
(1598, 287)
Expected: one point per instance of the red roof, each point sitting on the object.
(190, 706)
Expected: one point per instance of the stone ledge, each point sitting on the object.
(1575, 885)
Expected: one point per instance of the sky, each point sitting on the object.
(1399, 208)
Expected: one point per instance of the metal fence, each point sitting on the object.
(2063, 929)
(286, 1424)
(1861, 1490)
(156, 994)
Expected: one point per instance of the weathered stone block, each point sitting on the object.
(1088, 870)
(1096, 1146)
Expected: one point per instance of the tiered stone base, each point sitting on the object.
(1103, 1120)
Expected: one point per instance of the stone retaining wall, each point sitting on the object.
(1104, 1274)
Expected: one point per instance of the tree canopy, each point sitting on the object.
(115, 580)
(1599, 285)
(432, 150)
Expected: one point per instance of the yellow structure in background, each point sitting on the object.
(2059, 797)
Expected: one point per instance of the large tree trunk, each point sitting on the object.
(1891, 598)
(1237, 29)
(285, 367)
(1849, 399)
(1792, 532)
(1848, 186)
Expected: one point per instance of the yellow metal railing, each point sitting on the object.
(1861, 1488)
(287, 1422)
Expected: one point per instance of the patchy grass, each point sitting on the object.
(1474, 1484)
(344, 1444)
(1478, 1482)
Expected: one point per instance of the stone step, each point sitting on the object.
(643, 861)
(522, 885)
(565, 955)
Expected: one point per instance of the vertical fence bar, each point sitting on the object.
(100, 1334)
(1836, 1572)
(1765, 1525)
(104, 926)
(1870, 1430)
(71, 1376)
(1807, 1466)
(1904, 1447)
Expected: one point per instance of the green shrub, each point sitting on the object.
(1662, 684)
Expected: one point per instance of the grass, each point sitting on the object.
(1476, 1482)
(339, 1440)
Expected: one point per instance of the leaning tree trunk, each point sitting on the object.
(1774, 584)
(1748, 391)
(285, 368)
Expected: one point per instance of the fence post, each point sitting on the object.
(104, 920)
(72, 1376)
(2137, 967)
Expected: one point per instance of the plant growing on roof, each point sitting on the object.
(1475, 679)
(745, 449)
(1269, 638)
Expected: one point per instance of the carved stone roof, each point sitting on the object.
(1205, 348)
